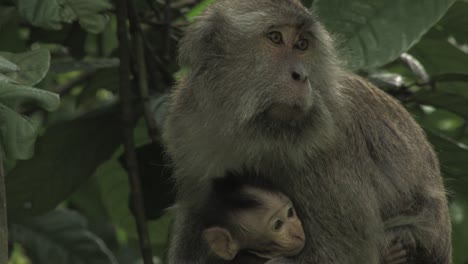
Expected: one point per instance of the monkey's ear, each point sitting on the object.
(200, 41)
(221, 242)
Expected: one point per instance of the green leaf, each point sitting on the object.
(6, 65)
(448, 101)
(60, 236)
(31, 68)
(89, 13)
(376, 32)
(112, 180)
(198, 9)
(18, 133)
(13, 96)
(446, 59)
(456, 20)
(66, 156)
(452, 156)
(41, 13)
(52, 13)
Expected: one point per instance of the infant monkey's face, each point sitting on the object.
(273, 229)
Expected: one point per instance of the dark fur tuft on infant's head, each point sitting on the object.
(228, 195)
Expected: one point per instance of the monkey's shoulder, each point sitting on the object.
(372, 108)
(385, 126)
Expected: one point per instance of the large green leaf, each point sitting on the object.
(52, 13)
(112, 179)
(448, 101)
(439, 56)
(456, 20)
(31, 68)
(17, 132)
(60, 236)
(452, 157)
(13, 96)
(114, 193)
(376, 32)
(89, 13)
(6, 67)
(66, 156)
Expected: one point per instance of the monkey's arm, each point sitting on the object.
(407, 176)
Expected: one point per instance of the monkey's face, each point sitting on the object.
(286, 50)
(261, 63)
(275, 230)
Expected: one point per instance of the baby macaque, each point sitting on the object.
(251, 222)
(248, 221)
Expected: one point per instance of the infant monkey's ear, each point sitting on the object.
(221, 242)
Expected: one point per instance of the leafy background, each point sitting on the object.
(68, 192)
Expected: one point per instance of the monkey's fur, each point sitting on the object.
(357, 167)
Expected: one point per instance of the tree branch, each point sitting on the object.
(3, 215)
(167, 31)
(67, 87)
(128, 123)
(137, 36)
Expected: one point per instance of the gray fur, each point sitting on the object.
(359, 170)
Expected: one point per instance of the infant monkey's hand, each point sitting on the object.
(395, 254)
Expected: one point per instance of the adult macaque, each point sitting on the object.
(244, 218)
(266, 91)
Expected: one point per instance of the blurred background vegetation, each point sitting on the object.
(61, 134)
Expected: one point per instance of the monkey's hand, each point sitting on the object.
(395, 254)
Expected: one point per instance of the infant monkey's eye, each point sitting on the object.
(275, 37)
(278, 224)
(290, 212)
(302, 44)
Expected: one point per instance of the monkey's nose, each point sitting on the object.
(298, 76)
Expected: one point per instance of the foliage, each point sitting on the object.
(415, 50)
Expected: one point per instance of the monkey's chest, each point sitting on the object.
(339, 210)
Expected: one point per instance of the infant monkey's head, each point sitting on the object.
(245, 213)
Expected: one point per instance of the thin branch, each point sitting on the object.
(66, 88)
(168, 29)
(445, 77)
(166, 75)
(142, 72)
(155, 11)
(450, 77)
(3, 215)
(128, 123)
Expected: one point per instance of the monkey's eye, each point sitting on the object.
(275, 37)
(302, 44)
(290, 212)
(278, 224)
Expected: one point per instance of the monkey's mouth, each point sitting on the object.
(284, 112)
(284, 120)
